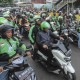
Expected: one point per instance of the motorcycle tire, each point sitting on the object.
(70, 76)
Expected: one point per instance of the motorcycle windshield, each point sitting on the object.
(18, 61)
(62, 47)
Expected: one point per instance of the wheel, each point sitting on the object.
(12, 77)
(70, 76)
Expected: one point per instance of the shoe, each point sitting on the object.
(56, 71)
(53, 70)
(50, 69)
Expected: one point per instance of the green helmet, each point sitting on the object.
(43, 14)
(60, 18)
(45, 25)
(23, 15)
(27, 13)
(31, 15)
(36, 17)
(3, 20)
(6, 14)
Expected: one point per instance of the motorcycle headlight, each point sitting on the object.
(67, 59)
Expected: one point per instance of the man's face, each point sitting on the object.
(8, 33)
(46, 29)
(38, 21)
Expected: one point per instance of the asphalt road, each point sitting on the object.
(42, 74)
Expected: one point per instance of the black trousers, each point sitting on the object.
(35, 52)
(48, 53)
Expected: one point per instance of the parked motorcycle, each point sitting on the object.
(61, 60)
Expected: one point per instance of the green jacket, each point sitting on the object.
(31, 36)
(54, 18)
(55, 27)
(10, 46)
(33, 32)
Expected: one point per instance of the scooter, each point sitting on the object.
(73, 35)
(19, 69)
(61, 60)
(65, 34)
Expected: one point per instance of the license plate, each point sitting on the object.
(26, 74)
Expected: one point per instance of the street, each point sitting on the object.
(38, 21)
(42, 74)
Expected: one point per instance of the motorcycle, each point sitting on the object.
(19, 69)
(61, 60)
(65, 34)
(73, 35)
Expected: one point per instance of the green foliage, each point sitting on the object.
(6, 1)
(10, 1)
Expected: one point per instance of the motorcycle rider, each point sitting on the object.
(9, 20)
(60, 20)
(10, 45)
(44, 41)
(31, 16)
(43, 16)
(33, 32)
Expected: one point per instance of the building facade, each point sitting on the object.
(65, 5)
(39, 3)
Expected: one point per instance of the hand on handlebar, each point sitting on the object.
(45, 46)
(61, 38)
(1, 69)
(28, 54)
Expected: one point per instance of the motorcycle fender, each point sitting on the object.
(69, 68)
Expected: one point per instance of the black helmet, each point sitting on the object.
(6, 28)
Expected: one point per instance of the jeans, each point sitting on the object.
(78, 40)
(4, 74)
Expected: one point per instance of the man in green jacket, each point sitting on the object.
(10, 45)
(33, 32)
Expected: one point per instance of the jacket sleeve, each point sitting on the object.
(53, 35)
(20, 45)
(38, 39)
(31, 35)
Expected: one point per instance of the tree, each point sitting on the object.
(10, 1)
(6, 1)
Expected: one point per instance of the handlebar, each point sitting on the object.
(57, 44)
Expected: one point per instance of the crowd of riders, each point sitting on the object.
(38, 26)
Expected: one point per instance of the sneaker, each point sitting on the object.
(50, 69)
(53, 70)
(56, 71)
